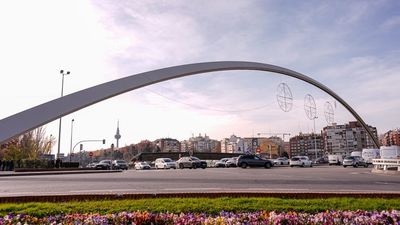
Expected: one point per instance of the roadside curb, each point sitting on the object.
(91, 197)
(388, 172)
(12, 174)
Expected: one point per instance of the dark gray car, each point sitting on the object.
(354, 161)
(191, 162)
(245, 161)
(120, 165)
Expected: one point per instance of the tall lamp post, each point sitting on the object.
(70, 147)
(315, 140)
(59, 126)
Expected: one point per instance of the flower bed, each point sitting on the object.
(261, 217)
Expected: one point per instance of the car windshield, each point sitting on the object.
(105, 161)
(349, 157)
(121, 161)
(143, 163)
(167, 160)
(295, 159)
(195, 158)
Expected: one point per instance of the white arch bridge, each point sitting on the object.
(34, 117)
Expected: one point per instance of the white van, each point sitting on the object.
(368, 154)
(390, 152)
(356, 153)
(335, 159)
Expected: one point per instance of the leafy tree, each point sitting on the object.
(30, 145)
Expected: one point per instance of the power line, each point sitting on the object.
(208, 108)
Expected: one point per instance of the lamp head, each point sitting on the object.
(61, 71)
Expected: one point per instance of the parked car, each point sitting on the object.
(301, 161)
(92, 165)
(245, 161)
(103, 165)
(322, 160)
(191, 162)
(231, 162)
(281, 161)
(221, 163)
(120, 165)
(354, 161)
(142, 166)
(335, 159)
(164, 163)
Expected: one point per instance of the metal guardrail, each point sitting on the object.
(385, 164)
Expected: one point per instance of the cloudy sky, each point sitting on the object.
(350, 46)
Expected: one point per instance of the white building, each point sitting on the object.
(233, 144)
(200, 144)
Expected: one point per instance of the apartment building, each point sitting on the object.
(233, 144)
(201, 144)
(306, 145)
(168, 145)
(346, 138)
(391, 137)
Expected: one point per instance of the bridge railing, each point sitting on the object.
(385, 164)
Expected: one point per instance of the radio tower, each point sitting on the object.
(117, 135)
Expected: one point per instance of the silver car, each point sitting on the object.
(164, 163)
(281, 161)
(354, 161)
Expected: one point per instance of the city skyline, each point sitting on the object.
(349, 47)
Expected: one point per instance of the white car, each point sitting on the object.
(142, 166)
(300, 161)
(164, 163)
(281, 161)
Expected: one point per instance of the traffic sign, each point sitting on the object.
(91, 154)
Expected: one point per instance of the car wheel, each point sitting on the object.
(344, 166)
(267, 165)
(243, 165)
(356, 165)
(366, 165)
(194, 166)
(291, 165)
(311, 165)
(180, 166)
(302, 165)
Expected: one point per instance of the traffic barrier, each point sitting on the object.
(386, 164)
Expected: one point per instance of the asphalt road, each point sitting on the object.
(278, 179)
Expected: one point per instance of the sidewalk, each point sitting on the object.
(54, 172)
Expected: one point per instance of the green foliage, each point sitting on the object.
(206, 205)
(30, 146)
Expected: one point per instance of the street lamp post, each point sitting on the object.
(70, 147)
(315, 140)
(59, 126)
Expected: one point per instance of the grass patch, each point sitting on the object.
(205, 205)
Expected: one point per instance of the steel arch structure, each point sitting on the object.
(34, 117)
